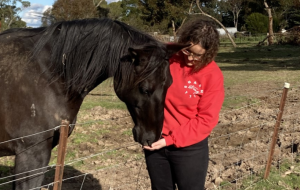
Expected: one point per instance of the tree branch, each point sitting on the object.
(216, 20)
(98, 3)
(173, 25)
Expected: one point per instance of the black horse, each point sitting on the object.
(45, 73)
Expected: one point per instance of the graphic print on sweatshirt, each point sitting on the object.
(192, 89)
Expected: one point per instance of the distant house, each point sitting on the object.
(231, 30)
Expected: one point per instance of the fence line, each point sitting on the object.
(52, 166)
(89, 173)
(101, 153)
(271, 92)
(26, 172)
(55, 128)
(247, 106)
(94, 155)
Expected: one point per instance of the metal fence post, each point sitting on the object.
(276, 127)
(62, 146)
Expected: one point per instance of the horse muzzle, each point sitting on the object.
(144, 138)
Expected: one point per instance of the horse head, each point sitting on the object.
(145, 88)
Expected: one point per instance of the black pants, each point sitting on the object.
(186, 167)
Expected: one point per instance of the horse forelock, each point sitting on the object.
(85, 52)
(157, 57)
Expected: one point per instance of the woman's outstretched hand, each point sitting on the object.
(156, 145)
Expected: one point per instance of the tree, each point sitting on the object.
(235, 7)
(114, 10)
(270, 24)
(9, 13)
(216, 20)
(47, 18)
(101, 7)
(158, 15)
(131, 14)
(290, 14)
(77, 9)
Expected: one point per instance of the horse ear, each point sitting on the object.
(175, 47)
(133, 52)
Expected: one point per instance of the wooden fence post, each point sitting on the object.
(276, 127)
(62, 146)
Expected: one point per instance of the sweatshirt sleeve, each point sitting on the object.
(208, 109)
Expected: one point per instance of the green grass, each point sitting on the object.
(238, 102)
(252, 66)
(128, 132)
(276, 180)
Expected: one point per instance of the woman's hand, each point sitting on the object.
(156, 145)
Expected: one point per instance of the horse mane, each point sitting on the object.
(85, 51)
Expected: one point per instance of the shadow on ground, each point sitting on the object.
(257, 58)
(73, 179)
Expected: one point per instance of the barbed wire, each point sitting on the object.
(101, 153)
(26, 136)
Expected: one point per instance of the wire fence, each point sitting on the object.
(239, 147)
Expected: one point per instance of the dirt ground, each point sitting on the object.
(239, 144)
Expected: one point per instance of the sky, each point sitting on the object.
(32, 15)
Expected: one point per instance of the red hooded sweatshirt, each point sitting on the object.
(192, 104)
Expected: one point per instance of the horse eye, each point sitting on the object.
(144, 91)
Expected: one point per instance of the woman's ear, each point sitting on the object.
(175, 47)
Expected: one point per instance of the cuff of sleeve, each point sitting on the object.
(169, 140)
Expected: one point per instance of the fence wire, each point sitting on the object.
(241, 159)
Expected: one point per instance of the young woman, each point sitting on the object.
(192, 107)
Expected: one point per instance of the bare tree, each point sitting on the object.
(216, 20)
(271, 34)
(235, 6)
(173, 24)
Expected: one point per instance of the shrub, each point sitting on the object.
(257, 23)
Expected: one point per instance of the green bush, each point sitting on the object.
(257, 23)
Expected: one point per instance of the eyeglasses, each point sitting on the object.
(195, 56)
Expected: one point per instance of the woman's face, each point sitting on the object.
(193, 54)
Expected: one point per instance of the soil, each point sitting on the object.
(239, 145)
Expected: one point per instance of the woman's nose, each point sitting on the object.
(190, 58)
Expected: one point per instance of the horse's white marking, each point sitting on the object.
(32, 110)
(56, 116)
(64, 57)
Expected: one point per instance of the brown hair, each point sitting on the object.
(205, 34)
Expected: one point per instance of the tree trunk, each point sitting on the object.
(174, 31)
(271, 34)
(234, 20)
(11, 18)
(207, 15)
(98, 3)
(237, 19)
